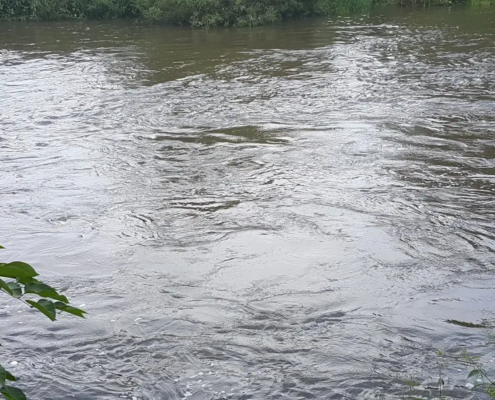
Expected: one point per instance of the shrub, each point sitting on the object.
(208, 13)
(66, 9)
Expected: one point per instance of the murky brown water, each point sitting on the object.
(288, 212)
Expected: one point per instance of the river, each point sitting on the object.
(283, 212)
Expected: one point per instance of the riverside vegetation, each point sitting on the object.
(197, 13)
(23, 285)
(483, 382)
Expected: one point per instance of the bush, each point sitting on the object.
(197, 13)
(66, 9)
(208, 13)
(341, 7)
(15, 9)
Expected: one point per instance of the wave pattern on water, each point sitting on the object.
(283, 212)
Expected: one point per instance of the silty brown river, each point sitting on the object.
(284, 212)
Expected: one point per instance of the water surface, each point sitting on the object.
(286, 212)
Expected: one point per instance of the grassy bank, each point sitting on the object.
(198, 13)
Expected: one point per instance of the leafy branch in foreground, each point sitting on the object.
(23, 285)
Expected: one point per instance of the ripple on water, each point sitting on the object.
(281, 212)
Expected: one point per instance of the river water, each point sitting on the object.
(285, 212)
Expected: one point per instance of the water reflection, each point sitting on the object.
(283, 212)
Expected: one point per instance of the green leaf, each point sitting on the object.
(4, 286)
(9, 376)
(45, 306)
(17, 269)
(25, 281)
(1, 247)
(69, 309)
(16, 289)
(5, 375)
(474, 372)
(43, 290)
(12, 393)
(441, 382)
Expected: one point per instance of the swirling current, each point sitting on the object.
(285, 212)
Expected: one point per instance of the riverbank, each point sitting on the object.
(197, 13)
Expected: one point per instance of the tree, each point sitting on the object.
(23, 286)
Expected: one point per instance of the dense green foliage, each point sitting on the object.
(207, 13)
(23, 285)
(199, 13)
(65, 9)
